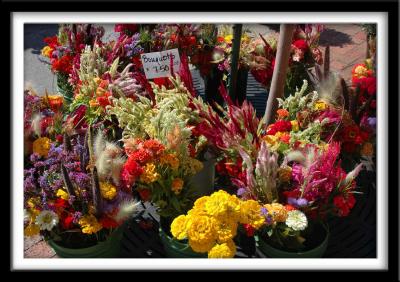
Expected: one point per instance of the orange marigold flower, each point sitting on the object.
(177, 185)
(282, 113)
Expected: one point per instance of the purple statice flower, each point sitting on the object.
(75, 218)
(241, 191)
(43, 181)
(81, 179)
(34, 157)
(133, 48)
(29, 183)
(372, 123)
(264, 211)
(298, 203)
(71, 199)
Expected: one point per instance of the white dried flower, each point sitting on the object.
(127, 208)
(296, 220)
(47, 220)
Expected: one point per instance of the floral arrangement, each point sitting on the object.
(64, 51)
(304, 55)
(212, 224)
(72, 193)
(162, 145)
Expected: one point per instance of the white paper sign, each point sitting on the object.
(157, 64)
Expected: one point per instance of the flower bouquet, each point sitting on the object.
(73, 198)
(64, 51)
(163, 149)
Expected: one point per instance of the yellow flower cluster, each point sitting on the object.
(320, 105)
(177, 185)
(212, 223)
(277, 211)
(89, 224)
(149, 174)
(107, 190)
(32, 229)
(171, 160)
(295, 125)
(46, 51)
(41, 146)
(62, 194)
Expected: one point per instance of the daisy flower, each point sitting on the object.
(47, 220)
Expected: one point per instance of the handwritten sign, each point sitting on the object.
(157, 64)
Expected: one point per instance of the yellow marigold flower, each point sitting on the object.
(149, 174)
(201, 247)
(33, 202)
(178, 227)
(320, 105)
(226, 229)
(199, 207)
(295, 125)
(31, 230)
(201, 229)
(107, 190)
(177, 185)
(277, 211)
(41, 146)
(250, 213)
(285, 173)
(89, 224)
(62, 194)
(222, 203)
(171, 160)
(228, 38)
(224, 250)
(46, 51)
(367, 149)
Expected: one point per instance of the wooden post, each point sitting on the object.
(237, 37)
(280, 69)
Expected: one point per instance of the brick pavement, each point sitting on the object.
(348, 46)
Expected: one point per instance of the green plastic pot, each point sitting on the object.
(110, 248)
(176, 249)
(272, 252)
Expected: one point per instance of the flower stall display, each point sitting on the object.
(72, 196)
(118, 137)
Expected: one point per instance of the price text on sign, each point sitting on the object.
(157, 64)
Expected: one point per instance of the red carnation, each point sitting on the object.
(154, 146)
(67, 221)
(301, 44)
(279, 126)
(142, 156)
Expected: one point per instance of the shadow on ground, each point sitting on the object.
(334, 38)
(35, 33)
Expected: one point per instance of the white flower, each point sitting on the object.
(296, 220)
(47, 220)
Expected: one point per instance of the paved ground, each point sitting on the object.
(348, 47)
